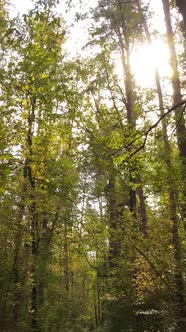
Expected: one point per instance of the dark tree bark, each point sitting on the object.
(181, 139)
(181, 4)
(142, 211)
(114, 222)
(131, 120)
(33, 217)
(177, 98)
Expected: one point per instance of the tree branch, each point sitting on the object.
(173, 108)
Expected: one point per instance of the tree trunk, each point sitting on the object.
(66, 258)
(33, 217)
(181, 4)
(114, 219)
(142, 211)
(179, 284)
(134, 179)
(178, 277)
(177, 97)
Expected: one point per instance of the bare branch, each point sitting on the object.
(145, 134)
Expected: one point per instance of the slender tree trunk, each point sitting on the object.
(43, 253)
(182, 8)
(114, 216)
(66, 258)
(99, 302)
(177, 97)
(34, 289)
(15, 272)
(179, 284)
(96, 307)
(172, 194)
(142, 211)
(181, 139)
(131, 120)
(33, 217)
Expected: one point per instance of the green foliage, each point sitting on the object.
(87, 214)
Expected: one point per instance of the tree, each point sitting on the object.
(37, 114)
(182, 8)
(92, 186)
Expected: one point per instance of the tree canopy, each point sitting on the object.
(93, 169)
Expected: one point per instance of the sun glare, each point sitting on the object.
(145, 59)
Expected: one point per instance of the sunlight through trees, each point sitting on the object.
(93, 166)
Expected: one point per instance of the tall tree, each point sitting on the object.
(84, 165)
(37, 115)
(182, 7)
(177, 98)
(172, 183)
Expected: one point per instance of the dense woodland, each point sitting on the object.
(93, 172)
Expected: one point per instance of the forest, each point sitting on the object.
(93, 168)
